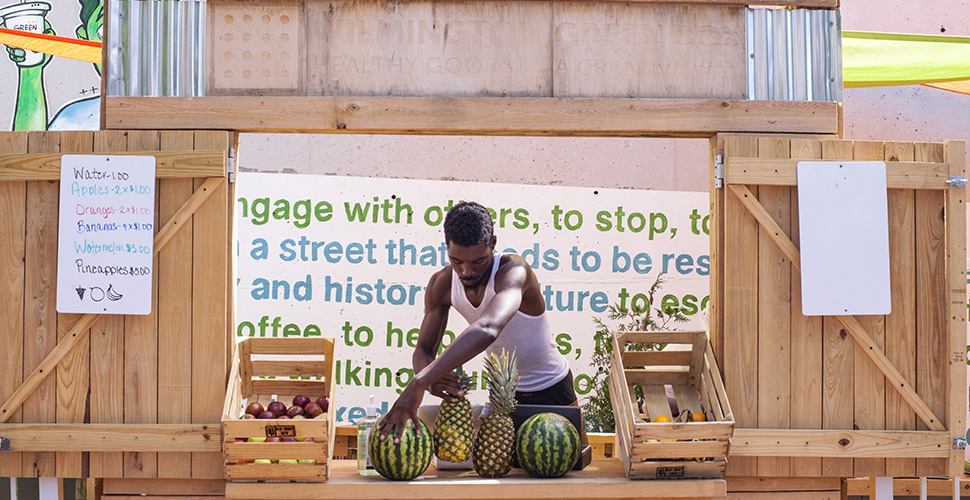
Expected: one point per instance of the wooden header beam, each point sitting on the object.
(475, 115)
(168, 164)
(113, 437)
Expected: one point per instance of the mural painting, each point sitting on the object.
(43, 92)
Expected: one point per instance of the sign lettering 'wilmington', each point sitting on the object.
(477, 34)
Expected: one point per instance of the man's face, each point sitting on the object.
(473, 264)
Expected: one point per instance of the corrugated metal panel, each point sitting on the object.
(794, 54)
(156, 48)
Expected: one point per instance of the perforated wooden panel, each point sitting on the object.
(256, 47)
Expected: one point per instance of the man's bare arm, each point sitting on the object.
(509, 283)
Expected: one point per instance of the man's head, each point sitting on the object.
(470, 240)
(468, 224)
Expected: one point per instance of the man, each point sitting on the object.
(500, 297)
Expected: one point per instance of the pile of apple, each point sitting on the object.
(302, 407)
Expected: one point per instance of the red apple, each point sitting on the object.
(281, 417)
(324, 403)
(277, 407)
(254, 408)
(247, 415)
(289, 440)
(273, 440)
(312, 410)
(267, 414)
(294, 411)
(300, 400)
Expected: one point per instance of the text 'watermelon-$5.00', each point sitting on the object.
(404, 460)
(547, 445)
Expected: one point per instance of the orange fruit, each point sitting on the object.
(699, 416)
(662, 418)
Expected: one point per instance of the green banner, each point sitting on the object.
(882, 59)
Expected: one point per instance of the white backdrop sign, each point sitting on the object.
(350, 258)
(105, 234)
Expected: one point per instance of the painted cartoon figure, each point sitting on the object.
(31, 107)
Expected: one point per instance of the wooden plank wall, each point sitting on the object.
(166, 367)
(784, 370)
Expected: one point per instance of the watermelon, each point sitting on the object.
(401, 461)
(547, 445)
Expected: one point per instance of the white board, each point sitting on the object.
(105, 234)
(844, 232)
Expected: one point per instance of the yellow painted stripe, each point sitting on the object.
(71, 48)
(962, 87)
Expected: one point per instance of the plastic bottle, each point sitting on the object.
(364, 425)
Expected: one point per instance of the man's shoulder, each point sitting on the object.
(439, 286)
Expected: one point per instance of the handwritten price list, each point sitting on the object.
(106, 229)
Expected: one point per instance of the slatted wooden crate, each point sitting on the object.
(675, 449)
(280, 368)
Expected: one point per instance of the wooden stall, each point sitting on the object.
(115, 396)
(136, 398)
(841, 396)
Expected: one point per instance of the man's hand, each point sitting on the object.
(404, 409)
(447, 388)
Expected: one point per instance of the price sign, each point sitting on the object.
(106, 230)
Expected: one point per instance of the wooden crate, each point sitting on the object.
(264, 368)
(675, 449)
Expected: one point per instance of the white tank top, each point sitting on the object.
(539, 363)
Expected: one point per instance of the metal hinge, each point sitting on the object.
(957, 181)
(959, 443)
(232, 165)
(4, 444)
(719, 171)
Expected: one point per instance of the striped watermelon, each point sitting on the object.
(547, 445)
(401, 461)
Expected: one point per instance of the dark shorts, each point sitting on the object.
(561, 393)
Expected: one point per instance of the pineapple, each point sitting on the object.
(453, 428)
(495, 442)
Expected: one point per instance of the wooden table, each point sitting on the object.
(603, 479)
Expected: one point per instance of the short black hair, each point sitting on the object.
(468, 224)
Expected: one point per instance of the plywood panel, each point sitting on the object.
(73, 370)
(256, 47)
(40, 315)
(141, 348)
(741, 310)
(774, 313)
(497, 49)
(806, 340)
(870, 384)
(13, 227)
(931, 310)
(837, 358)
(615, 49)
(209, 309)
(108, 354)
(175, 322)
